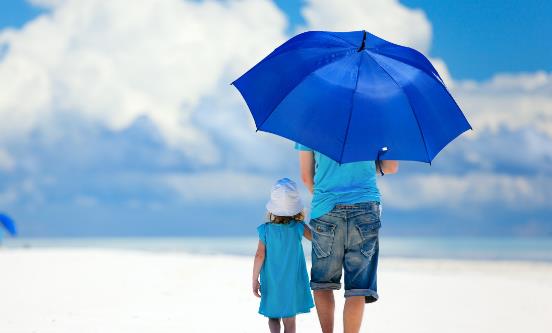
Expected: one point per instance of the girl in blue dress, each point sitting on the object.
(280, 261)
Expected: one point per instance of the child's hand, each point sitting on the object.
(256, 287)
(307, 233)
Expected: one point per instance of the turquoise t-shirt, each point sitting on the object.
(336, 183)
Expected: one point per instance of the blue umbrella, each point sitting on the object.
(350, 94)
(8, 223)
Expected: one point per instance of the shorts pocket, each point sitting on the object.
(322, 237)
(369, 235)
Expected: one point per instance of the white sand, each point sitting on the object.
(78, 290)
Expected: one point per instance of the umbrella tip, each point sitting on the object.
(363, 46)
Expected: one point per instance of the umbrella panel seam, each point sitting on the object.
(343, 39)
(351, 108)
(409, 104)
(259, 127)
(435, 76)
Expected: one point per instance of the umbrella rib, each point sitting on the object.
(343, 39)
(350, 111)
(273, 55)
(409, 104)
(284, 52)
(295, 87)
(433, 76)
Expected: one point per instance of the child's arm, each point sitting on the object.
(257, 265)
(307, 233)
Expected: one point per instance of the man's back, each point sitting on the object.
(341, 183)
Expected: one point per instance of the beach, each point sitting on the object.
(112, 290)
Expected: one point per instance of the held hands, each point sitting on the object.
(256, 288)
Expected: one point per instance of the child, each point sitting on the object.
(280, 260)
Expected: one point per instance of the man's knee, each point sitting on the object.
(323, 292)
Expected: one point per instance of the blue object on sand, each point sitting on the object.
(350, 94)
(8, 223)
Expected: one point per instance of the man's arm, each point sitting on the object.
(306, 165)
(388, 167)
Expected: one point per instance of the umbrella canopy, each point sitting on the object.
(8, 223)
(349, 94)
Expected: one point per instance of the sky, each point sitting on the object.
(118, 119)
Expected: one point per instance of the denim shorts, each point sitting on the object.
(346, 239)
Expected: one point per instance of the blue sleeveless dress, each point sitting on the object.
(285, 289)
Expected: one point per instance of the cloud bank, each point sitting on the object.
(103, 103)
(112, 63)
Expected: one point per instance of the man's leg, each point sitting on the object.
(352, 314)
(360, 263)
(325, 307)
(328, 246)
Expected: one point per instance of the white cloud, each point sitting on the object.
(112, 62)
(443, 71)
(511, 101)
(470, 190)
(223, 186)
(385, 18)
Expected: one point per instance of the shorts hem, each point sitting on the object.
(369, 295)
(325, 286)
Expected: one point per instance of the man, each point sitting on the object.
(345, 222)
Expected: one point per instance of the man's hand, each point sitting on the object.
(386, 166)
(256, 287)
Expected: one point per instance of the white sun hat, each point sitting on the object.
(284, 199)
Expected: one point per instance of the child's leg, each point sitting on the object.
(289, 324)
(274, 325)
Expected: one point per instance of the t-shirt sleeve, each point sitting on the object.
(300, 227)
(261, 230)
(301, 147)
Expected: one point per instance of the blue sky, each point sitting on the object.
(480, 38)
(15, 13)
(105, 134)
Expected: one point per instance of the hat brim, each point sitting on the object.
(278, 210)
